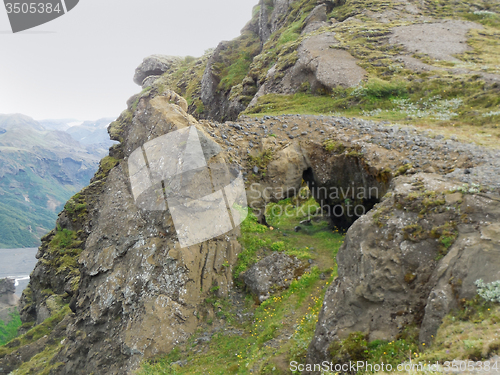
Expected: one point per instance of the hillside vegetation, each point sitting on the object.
(405, 82)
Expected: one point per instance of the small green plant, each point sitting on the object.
(63, 239)
(333, 146)
(379, 89)
(467, 189)
(490, 292)
(402, 170)
(278, 246)
(353, 348)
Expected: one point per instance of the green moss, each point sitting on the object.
(236, 60)
(76, 207)
(105, 166)
(8, 330)
(63, 240)
(382, 215)
(475, 323)
(354, 154)
(333, 146)
(116, 128)
(63, 252)
(42, 363)
(353, 348)
(446, 235)
(402, 170)
(414, 232)
(261, 161)
(37, 332)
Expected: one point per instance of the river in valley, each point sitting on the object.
(17, 264)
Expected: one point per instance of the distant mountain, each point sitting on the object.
(92, 132)
(59, 124)
(40, 169)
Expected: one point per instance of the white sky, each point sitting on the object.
(81, 65)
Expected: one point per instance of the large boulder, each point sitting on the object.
(318, 67)
(271, 274)
(409, 261)
(154, 65)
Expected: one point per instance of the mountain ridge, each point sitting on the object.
(40, 169)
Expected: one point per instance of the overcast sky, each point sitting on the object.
(81, 65)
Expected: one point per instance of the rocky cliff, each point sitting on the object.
(133, 292)
(114, 287)
(409, 262)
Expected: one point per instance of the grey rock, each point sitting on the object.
(274, 272)
(389, 278)
(154, 65)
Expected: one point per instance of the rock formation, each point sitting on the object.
(409, 261)
(134, 293)
(154, 66)
(113, 286)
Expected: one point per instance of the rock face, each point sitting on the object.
(319, 66)
(410, 260)
(154, 65)
(216, 100)
(135, 292)
(273, 273)
(8, 300)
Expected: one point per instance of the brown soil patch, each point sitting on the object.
(440, 40)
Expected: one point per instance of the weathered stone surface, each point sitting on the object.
(138, 290)
(316, 19)
(318, 65)
(271, 274)
(410, 260)
(154, 65)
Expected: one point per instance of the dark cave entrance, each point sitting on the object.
(344, 200)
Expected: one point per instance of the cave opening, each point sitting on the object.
(344, 199)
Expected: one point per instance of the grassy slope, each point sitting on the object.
(279, 329)
(9, 331)
(460, 104)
